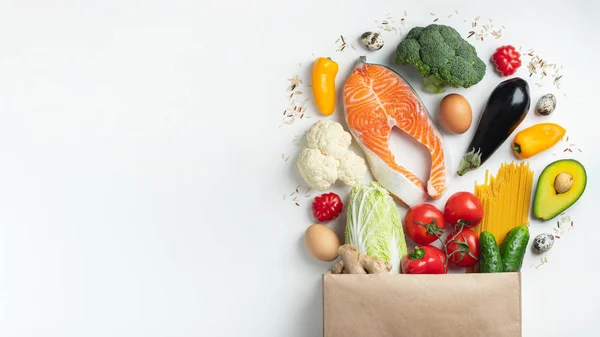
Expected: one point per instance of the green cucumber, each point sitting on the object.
(513, 247)
(490, 260)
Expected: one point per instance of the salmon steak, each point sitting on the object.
(377, 99)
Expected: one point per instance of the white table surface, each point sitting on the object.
(141, 177)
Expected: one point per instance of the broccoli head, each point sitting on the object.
(442, 57)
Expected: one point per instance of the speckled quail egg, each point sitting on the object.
(543, 242)
(371, 40)
(546, 105)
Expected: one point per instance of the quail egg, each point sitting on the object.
(371, 40)
(546, 105)
(543, 242)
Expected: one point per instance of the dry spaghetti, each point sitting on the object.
(506, 199)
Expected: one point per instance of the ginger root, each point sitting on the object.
(354, 262)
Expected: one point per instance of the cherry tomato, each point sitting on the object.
(463, 209)
(463, 248)
(424, 223)
(424, 260)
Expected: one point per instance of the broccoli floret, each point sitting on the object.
(442, 57)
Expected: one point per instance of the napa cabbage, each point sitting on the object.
(374, 225)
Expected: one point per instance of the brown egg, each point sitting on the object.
(455, 113)
(322, 242)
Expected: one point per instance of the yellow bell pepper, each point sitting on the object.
(323, 84)
(537, 138)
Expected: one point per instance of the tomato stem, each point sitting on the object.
(445, 245)
(431, 228)
(464, 223)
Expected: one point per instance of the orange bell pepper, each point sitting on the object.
(537, 138)
(323, 84)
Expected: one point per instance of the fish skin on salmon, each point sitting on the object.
(377, 99)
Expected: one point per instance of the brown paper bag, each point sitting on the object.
(450, 305)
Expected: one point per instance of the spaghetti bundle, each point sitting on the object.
(506, 199)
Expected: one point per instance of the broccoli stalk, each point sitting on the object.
(442, 57)
(433, 84)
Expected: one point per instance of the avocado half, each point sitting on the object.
(548, 203)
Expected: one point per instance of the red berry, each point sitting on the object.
(507, 60)
(327, 207)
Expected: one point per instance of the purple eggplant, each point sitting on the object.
(504, 111)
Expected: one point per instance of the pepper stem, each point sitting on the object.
(417, 253)
(517, 148)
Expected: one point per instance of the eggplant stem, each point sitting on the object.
(470, 161)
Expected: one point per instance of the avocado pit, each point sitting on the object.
(563, 182)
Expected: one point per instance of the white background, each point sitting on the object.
(141, 178)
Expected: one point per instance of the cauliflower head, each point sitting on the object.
(327, 158)
(329, 137)
(352, 169)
